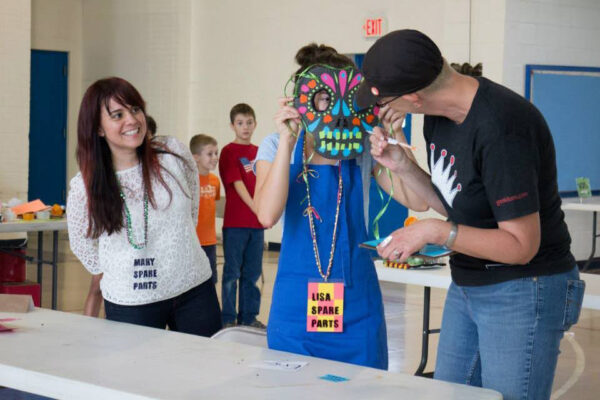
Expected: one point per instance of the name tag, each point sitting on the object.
(325, 311)
(145, 274)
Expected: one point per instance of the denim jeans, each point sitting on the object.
(211, 253)
(506, 336)
(195, 311)
(243, 249)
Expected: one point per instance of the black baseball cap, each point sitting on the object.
(398, 63)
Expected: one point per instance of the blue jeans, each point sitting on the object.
(211, 253)
(195, 311)
(243, 249)
(506, 336)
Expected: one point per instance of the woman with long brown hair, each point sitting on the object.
(132, 216)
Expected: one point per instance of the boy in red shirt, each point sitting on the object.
(206, 153)
(243, 235)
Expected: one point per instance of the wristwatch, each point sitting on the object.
(452, 236)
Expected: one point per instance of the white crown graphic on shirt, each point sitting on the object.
(441, 177)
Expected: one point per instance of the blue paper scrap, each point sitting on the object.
(334, 378)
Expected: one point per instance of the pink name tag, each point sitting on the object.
(325, 311)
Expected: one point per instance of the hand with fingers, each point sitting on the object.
(404, 242)
(386, 154)
(392, 121)
(287, 120)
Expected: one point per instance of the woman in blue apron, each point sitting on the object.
(323, 202)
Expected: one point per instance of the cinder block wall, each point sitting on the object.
(15, 45)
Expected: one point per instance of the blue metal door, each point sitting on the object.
(48, 126)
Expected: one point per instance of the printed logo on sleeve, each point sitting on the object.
(247, 164)
(510, 199)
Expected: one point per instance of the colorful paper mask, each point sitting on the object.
(340, 127)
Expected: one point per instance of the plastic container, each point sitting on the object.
(27, 287)
(12, 267)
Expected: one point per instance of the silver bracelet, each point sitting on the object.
(452, 236)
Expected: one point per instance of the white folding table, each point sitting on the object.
(40, 226)
(590, 204)
(70, 356)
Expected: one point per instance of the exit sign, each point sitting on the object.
(374, 27)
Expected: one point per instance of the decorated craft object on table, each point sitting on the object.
(415, 262)
(340, 128)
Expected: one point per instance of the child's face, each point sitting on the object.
(208, 158)
(243, 125)
(322, 100)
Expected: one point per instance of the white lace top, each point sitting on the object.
(172, 261)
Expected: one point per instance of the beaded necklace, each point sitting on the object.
(137, 246)
(310, 211)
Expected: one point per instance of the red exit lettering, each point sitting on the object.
(373, 27)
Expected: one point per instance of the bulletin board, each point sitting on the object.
(569, 99)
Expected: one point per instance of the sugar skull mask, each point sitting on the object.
(324, 97)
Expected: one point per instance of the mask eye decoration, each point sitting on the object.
(325, 98)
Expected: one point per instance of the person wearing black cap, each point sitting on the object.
(492, 164)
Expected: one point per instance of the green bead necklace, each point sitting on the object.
(310, 210)
(137, 246)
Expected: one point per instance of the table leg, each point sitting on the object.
(40, 263)
(54, 268)
(425, 334)
(594, 236)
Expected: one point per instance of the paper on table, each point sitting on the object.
(290, 366)
(32, 206)
(334, 378)
(4, 328)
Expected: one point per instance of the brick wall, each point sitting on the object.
(57, 25)
(558, 32)
(15, 45)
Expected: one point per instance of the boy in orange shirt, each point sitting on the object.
(206, 153)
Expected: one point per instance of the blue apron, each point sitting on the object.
(364, 339)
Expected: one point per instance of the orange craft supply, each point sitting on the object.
(31, 207)
(410, 220)
(396, 264)
(56, 210)
(312, 84)
(327, 119)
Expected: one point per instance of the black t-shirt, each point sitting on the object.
(498, 165)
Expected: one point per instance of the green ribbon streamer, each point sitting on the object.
(387, 203)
